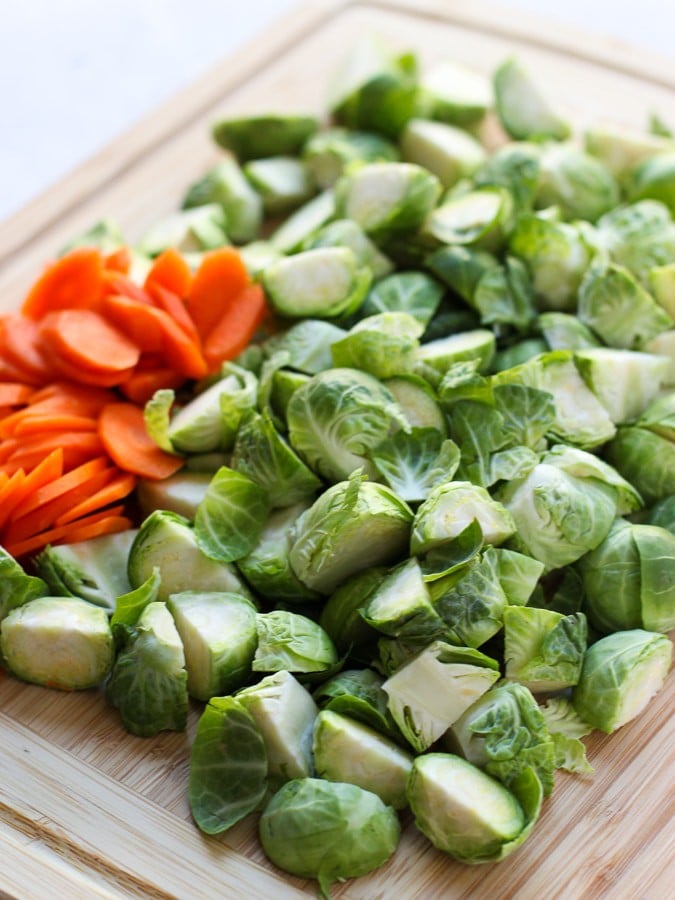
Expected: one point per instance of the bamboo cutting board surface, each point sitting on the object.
(88, 811)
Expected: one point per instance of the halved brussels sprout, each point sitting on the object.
(347, 233)
(383, 345)
(523, 109)
(621, 149)
(255, 137)
(291, 642)
(480, 218)
(290, 236)
(449, 152)
(226, 184)
(543, 649)
(190, 231)
(452, 92)
(400, 605)
(180, 493)
(329, 152)
(283, 182)
(575, 182)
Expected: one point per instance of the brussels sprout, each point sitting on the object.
(358, 694)
(523, 110)
(418, 403)
(400, 605)
(322, 283)
(517, 354)
(480, 218)
(504, 296)
(59, 642)
(654, 178)
(620, 675)
(228, 766)
(190, 230)
(622, 149)
(451, 92)
(566, 727)
(148, 683)
(329, 152)
(257, 256)
(267, 567)
(443, 353)
(337, 417)
(387, 198)
(578, 184)
(638, 236)
(543, 649)
(346, 233)
(563, 331)
(449, 152)
(357, 832)
(580, 418)
(180, 493)
(255, 137)
(414, 462)
(292, 642)
(626, 579)
(644, 458)
(341, 615)
(290, 236)
(283, 183)
(663, 514)
(226, 184)
(415, 293)
(566, 505)
(284, 712)
(468, 814)
(471, 601)
(515, 166)
(618, 309)
(167, 541)
(518, 575)
(664, 345)
(105, 234)
(383, 345)
(218, 631)
(350, 752)
(374, 89)
(449, 508)
(625, 382)
(505, 732)
(306, 344)
(556, 256)
(461, 268)
(433, 689)
(661, 283)
(231, 516)
(16, 587)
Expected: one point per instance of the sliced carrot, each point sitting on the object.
(35, 424)
(77, 398)
(118, 283)
(103, 378)
(220, 278)
(74, 281)
(85, 339)
(14, 393)
(173, 305)
(159, 332)
(63, 484)
(104, 522)
(9, 371)
(141, 385)
(236, 327)
(48, 469)
(170, 271)
(76, 447)
(12, 485)
(118, 261)
(121, 427)
(21, 346)
(45, 515)
(119, 487)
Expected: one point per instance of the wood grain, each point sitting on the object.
(89, 811)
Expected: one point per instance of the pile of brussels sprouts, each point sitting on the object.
(423, 541)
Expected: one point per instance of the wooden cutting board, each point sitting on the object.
(87, 810)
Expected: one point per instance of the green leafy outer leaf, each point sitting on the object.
(528, 413)
(645, 459)
(471, 601)
(620, 675)
(570, 754)
(462, 382)
(656, 547)
(341, 617)
(503, 296)
(231, 516)
(16, 588)
(446, 558)
(639, 236)
(129, 606)
(478, 430)
(412, 292)
(261, 453)
(148, 683)
(504, 732)
(413, 462)
(337, 417)
(292, 642)
(383, 345)
(357, 832)
(462, 268)
(400, 605)
(518, 575)
(358, 693)
(307, 344)
(543, 649)
(157, 413)
(562, 718)
(228, 766)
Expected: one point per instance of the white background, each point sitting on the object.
(76, 73)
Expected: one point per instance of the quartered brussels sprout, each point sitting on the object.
(400, 605)
(348, 751)
(418, 403)
(469, 814)
(575, 182)
(543, 649)
(454, 93)
(622, 149)
(442, 353)
(59, 642)
(291, 642)
(655, 179)
(327, 830)
(383, 345)
(284, 712)
(522, 108)
(449, 152)
(480, 218)
(329, 152)
(358, 694)
(624, 381)
(282, 182)
(299, 227)
(255, 137)
(190, 231)
(620, 675)
(180, 493)
(627, 579)
(563, 331)
(227, 185)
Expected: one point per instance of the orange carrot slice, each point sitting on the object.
(119, 487)
(141, 385)
(220, 278)
(85, 339)
(73, 282)
(21, 346)
(48, 469)
(122, 430)
(170, 271)
(15, 393)
(236, 327)
(96, 525)
(118, 261)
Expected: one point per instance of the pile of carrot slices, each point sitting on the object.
(87, 350)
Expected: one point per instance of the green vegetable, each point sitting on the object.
(291, 642)
(226, 184)
(522, 108)
(16, 587)
(255, 137)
